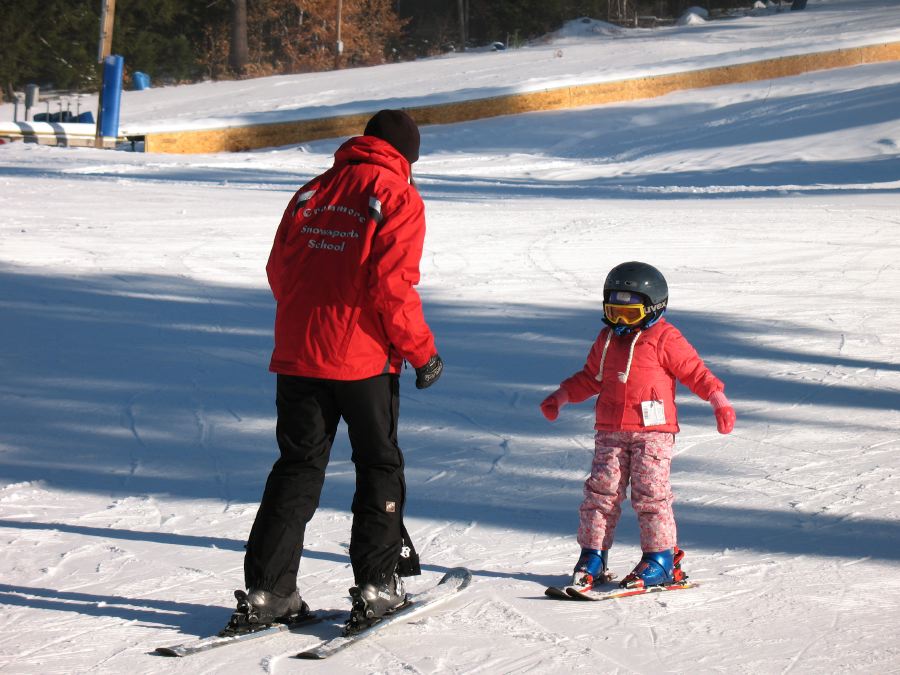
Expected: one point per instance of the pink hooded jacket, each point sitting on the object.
(626, 370)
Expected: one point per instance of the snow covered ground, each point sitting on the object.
(137, 415)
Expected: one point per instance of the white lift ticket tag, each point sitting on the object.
(654, 413)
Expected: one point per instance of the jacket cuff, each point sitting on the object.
(718, 400)
(421, 359)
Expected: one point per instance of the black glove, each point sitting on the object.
(428, 374)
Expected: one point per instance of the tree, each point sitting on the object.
(291, 36)
(53, 43)
(42, 41)
(164, 37)
(239, 50)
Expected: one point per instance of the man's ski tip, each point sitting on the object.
(309, 656)
(459, 575)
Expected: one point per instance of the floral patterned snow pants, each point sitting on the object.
(642, 458)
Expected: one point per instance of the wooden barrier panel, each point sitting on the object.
(234, 139)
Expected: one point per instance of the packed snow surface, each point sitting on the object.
(137, 413)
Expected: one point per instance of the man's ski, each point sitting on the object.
(612, 594)
(453, 581)
(213, 641)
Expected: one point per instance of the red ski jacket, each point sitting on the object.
(343, 269)
(639, 368)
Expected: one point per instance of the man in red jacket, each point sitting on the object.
(343, 269)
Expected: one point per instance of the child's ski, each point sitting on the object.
(568, 592)
(564, 592)
(557, 592)
(612, 594)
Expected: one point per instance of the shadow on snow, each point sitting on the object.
(130, 385)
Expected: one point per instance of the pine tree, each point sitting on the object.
(42, 41)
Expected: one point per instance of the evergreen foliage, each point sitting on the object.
(42, 41)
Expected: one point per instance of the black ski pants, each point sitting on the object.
(309, 411)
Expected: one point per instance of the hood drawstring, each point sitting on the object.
(599, 375)
(623, 377)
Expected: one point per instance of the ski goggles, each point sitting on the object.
(625, 307)
(624, 314)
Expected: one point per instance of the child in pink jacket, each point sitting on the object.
(632, 369)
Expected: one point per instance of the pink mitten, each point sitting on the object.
(725, 416)
(550, 406)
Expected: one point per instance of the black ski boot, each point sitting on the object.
(259, 609)
(371, 603)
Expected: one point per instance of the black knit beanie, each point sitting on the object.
(398, 129)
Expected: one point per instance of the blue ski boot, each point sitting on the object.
(659, 568)
(591, 569)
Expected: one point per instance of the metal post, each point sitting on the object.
(107, 21)
(32, 97)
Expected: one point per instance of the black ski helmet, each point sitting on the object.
(639, 277)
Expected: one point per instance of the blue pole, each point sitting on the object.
(111, 97)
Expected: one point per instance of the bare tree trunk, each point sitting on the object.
(338, 43)
(462, 24)
(239, 55)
